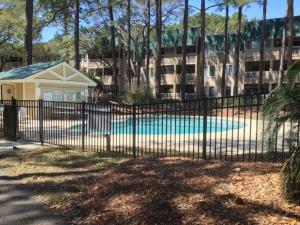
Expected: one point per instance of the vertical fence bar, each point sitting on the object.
(134, 131)
(41, 121)
(204, 127)
(83, 126)
(15, 118)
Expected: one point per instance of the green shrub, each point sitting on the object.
(138, 95)
(291, 176)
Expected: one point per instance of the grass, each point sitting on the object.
(56, 174)
(89, 189)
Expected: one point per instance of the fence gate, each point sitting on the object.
(9, 120)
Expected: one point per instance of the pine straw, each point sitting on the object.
(179, 191)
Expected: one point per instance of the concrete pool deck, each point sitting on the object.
(9, 145)
(249, 139)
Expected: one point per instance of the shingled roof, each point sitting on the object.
(27, 71)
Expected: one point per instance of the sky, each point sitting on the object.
(275, 9)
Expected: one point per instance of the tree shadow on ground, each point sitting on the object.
(154, 191)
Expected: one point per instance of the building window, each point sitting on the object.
(212, 71)
(98, 72)
(206, 71)
(209, 91)
(209, 71)
(167, 51)
(190, 49)
(254, 66)
(58, 96)
(189, 89)
(190, 69)
(210, 50)
(169, 69)
(229, 70)
(268, 43)
(109, 71)
(232, 48)
(228, 91)
(253, 44)
(166, 88)
(277, 43)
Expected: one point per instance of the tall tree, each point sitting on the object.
(129, 75)
(113, 45)
(148, 46)
(290, 32)
(262, 46)
(225, 48)
(76, 34)
(200, 49)
(29, 31)
(158, 4)
(237, 51)
(184, 43)
(283, 48)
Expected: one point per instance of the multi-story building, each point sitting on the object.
(249, 60)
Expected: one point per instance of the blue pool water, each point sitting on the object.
(162, 125)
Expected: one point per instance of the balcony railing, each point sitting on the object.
(268, 76)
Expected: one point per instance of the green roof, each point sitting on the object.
(274, 28)
(251, 31)
(27, 71)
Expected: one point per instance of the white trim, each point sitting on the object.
(43, 71)
(91, 82)
(60, 82)
(62, 79)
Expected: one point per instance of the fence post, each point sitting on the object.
(204, 126)
(83, 126)
(15, 118)
(41, 120)
(134, 131)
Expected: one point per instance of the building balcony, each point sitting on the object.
(274, 53)
(190, 78)
(268, 76)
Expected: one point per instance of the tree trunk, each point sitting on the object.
(290, 33)
(225, 51)
(158, 48)
(76, 35)
(262, 47)
(148, 46)
(66, 16)
(201, 55)
(113, 46)
(2, 64)
(237, 49)
(29, 31)
(184, 43)
(129, 75)
(283, 49)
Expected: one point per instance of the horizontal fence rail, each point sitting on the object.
(229, 128)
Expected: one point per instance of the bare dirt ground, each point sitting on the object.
(88, 189)
(178, 191)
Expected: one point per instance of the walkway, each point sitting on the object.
(18, 206)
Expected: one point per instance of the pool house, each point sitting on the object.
(50, 81)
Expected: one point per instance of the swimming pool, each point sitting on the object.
(168, 125)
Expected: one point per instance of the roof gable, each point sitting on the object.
(27, 71)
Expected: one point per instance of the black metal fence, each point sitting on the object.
(229, 128)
